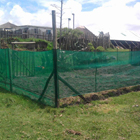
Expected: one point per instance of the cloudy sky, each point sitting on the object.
(97, 15)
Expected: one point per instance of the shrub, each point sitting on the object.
(44, 44)
(100, 49)
(91, 47)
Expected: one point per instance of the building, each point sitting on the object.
(26, 31)
(87, 34)
(7, 26)
(126, 40)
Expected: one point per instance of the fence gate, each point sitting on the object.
(23, 63)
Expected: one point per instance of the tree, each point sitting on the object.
(70, 32)
(69, 38)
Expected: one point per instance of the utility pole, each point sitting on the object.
(55, 58)
(61, 22)
(0, 38)
(69, 22)
(73, 19)
(60, 9)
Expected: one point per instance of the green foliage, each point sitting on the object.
(91, 47)
(107, 119)
(111, 50)
(100, 49)
(49, 46)
(66, 32)
(18, 39)
(38, 41)
(115, 50)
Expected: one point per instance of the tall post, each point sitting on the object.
(0, 38)
(73, 19)
(55, 58)
(131, 52)
(69, 22)
(61, 23)
(28, 33)
(10, 70)
(117, 54)
(95, 73)
(96, 79)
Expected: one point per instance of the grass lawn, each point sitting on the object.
(115, 50)
(116, 118)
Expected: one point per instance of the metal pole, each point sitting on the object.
(73, 19)
(0, 38)
(10, 70)
(95, 73)
(69, 22)
(55, 58)
(117, 54)
(61, 22)
(96, 79)
(131, 53)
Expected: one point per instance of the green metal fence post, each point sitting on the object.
(55, 59)
(96, 79)
(117, 54)
(55, 78)
(33, 58)
(95, 73)
(10, 69)
(0, 39)
(131, 53)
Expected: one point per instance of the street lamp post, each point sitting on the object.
(69, 19)
(73, 19)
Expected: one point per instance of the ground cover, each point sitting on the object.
(115, 118)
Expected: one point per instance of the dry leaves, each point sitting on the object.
(73, 132)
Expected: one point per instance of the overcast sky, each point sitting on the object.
(97, 15)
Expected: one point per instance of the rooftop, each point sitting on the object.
(8, 25)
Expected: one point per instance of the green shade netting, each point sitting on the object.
(89, 72)
(86, 72)
(30, 71)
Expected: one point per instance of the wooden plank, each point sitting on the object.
(23, 42)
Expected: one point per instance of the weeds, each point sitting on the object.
(112, 118)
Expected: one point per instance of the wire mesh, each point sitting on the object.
(89, 72)
(32, 73)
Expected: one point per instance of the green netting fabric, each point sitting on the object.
(29, 72)
(4, 69)
(32, 73)
(89, 72)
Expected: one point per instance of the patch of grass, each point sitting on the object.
(115, 50)
(115, 118)
(21, 47)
